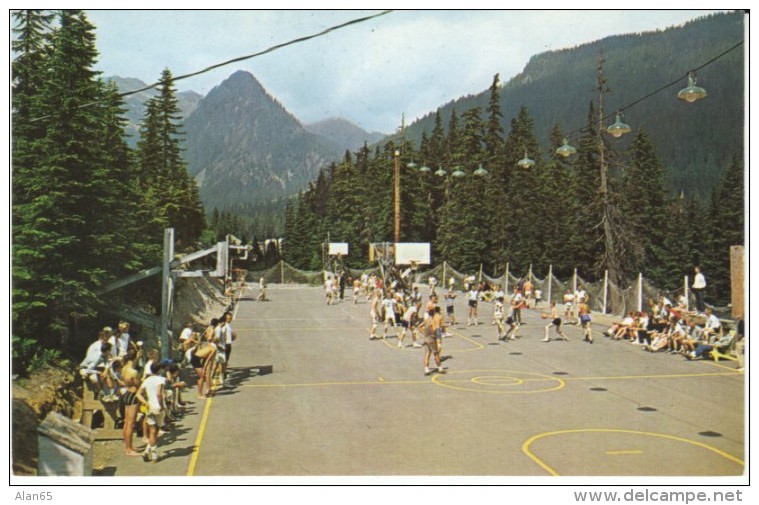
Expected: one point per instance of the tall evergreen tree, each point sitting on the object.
(725, 228)
(173, 195)
(68, 238)
(644, 210)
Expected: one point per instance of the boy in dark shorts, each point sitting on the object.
(555, 322)
(450, 297)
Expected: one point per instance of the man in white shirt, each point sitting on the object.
(699, 286)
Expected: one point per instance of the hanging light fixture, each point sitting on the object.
(440, 172)
(525, 162)
(425, 169)
(481, 172)
(458, 172)
(692, 92)
(411, 165)
(566, 150)
(618, 128)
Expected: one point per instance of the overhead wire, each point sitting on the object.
(241, 58)
(265, 51)
(662, 88)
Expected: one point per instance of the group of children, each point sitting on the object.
(146, 387)
(676, 330)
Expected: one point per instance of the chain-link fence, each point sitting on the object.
(603, 296)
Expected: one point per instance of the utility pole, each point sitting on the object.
(397, 177)
(611, 261)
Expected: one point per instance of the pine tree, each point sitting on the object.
(725, 228)
(522, 236)
(644, 210)
(70, 236)
(553, 221)
(173, 195)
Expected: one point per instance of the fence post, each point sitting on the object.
(529, 273)
(479, 280)
(640, 291)
(167, 290)
(282, 271)
(574, 291)
(687, 294)
(550, 283)
(506, 276)
(606, 289)
(444, 284)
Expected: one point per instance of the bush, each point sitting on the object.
(28, 356)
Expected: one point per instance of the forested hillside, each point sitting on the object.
(693, 143)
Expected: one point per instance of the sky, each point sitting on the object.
(407, 62)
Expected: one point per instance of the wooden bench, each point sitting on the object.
(109, 410)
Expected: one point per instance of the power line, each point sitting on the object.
(662, 88)
(265, 51)
(241, 58)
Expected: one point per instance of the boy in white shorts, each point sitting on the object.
(150, 394)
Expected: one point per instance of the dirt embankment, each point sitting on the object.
(59, 389)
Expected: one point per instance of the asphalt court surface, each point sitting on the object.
(311, 395)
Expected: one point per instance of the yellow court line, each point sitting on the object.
(660, 376)
(448, 380)
(296, 318)
(526, 446)
(380, 382)
(478, 345)
(284, 328)
(199, 438)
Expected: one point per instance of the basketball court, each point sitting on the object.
(311, 395)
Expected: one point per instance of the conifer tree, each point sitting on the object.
(71, 233)
(725, 228)
(644, 210)
(552, 221)
(173, 195)
(522, 236)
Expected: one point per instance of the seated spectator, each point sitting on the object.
(172, 391)
(619, 330)
(664, 300)
(640, 332)
(94, 370)
(685, 340)
(705, 348)
(94, 349)
(113, 380)
(740, 344)
(712, 328)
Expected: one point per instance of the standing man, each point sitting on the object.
(342, 280)
(431, 347)
(120, 340)
(699, 286)
(227, 337)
